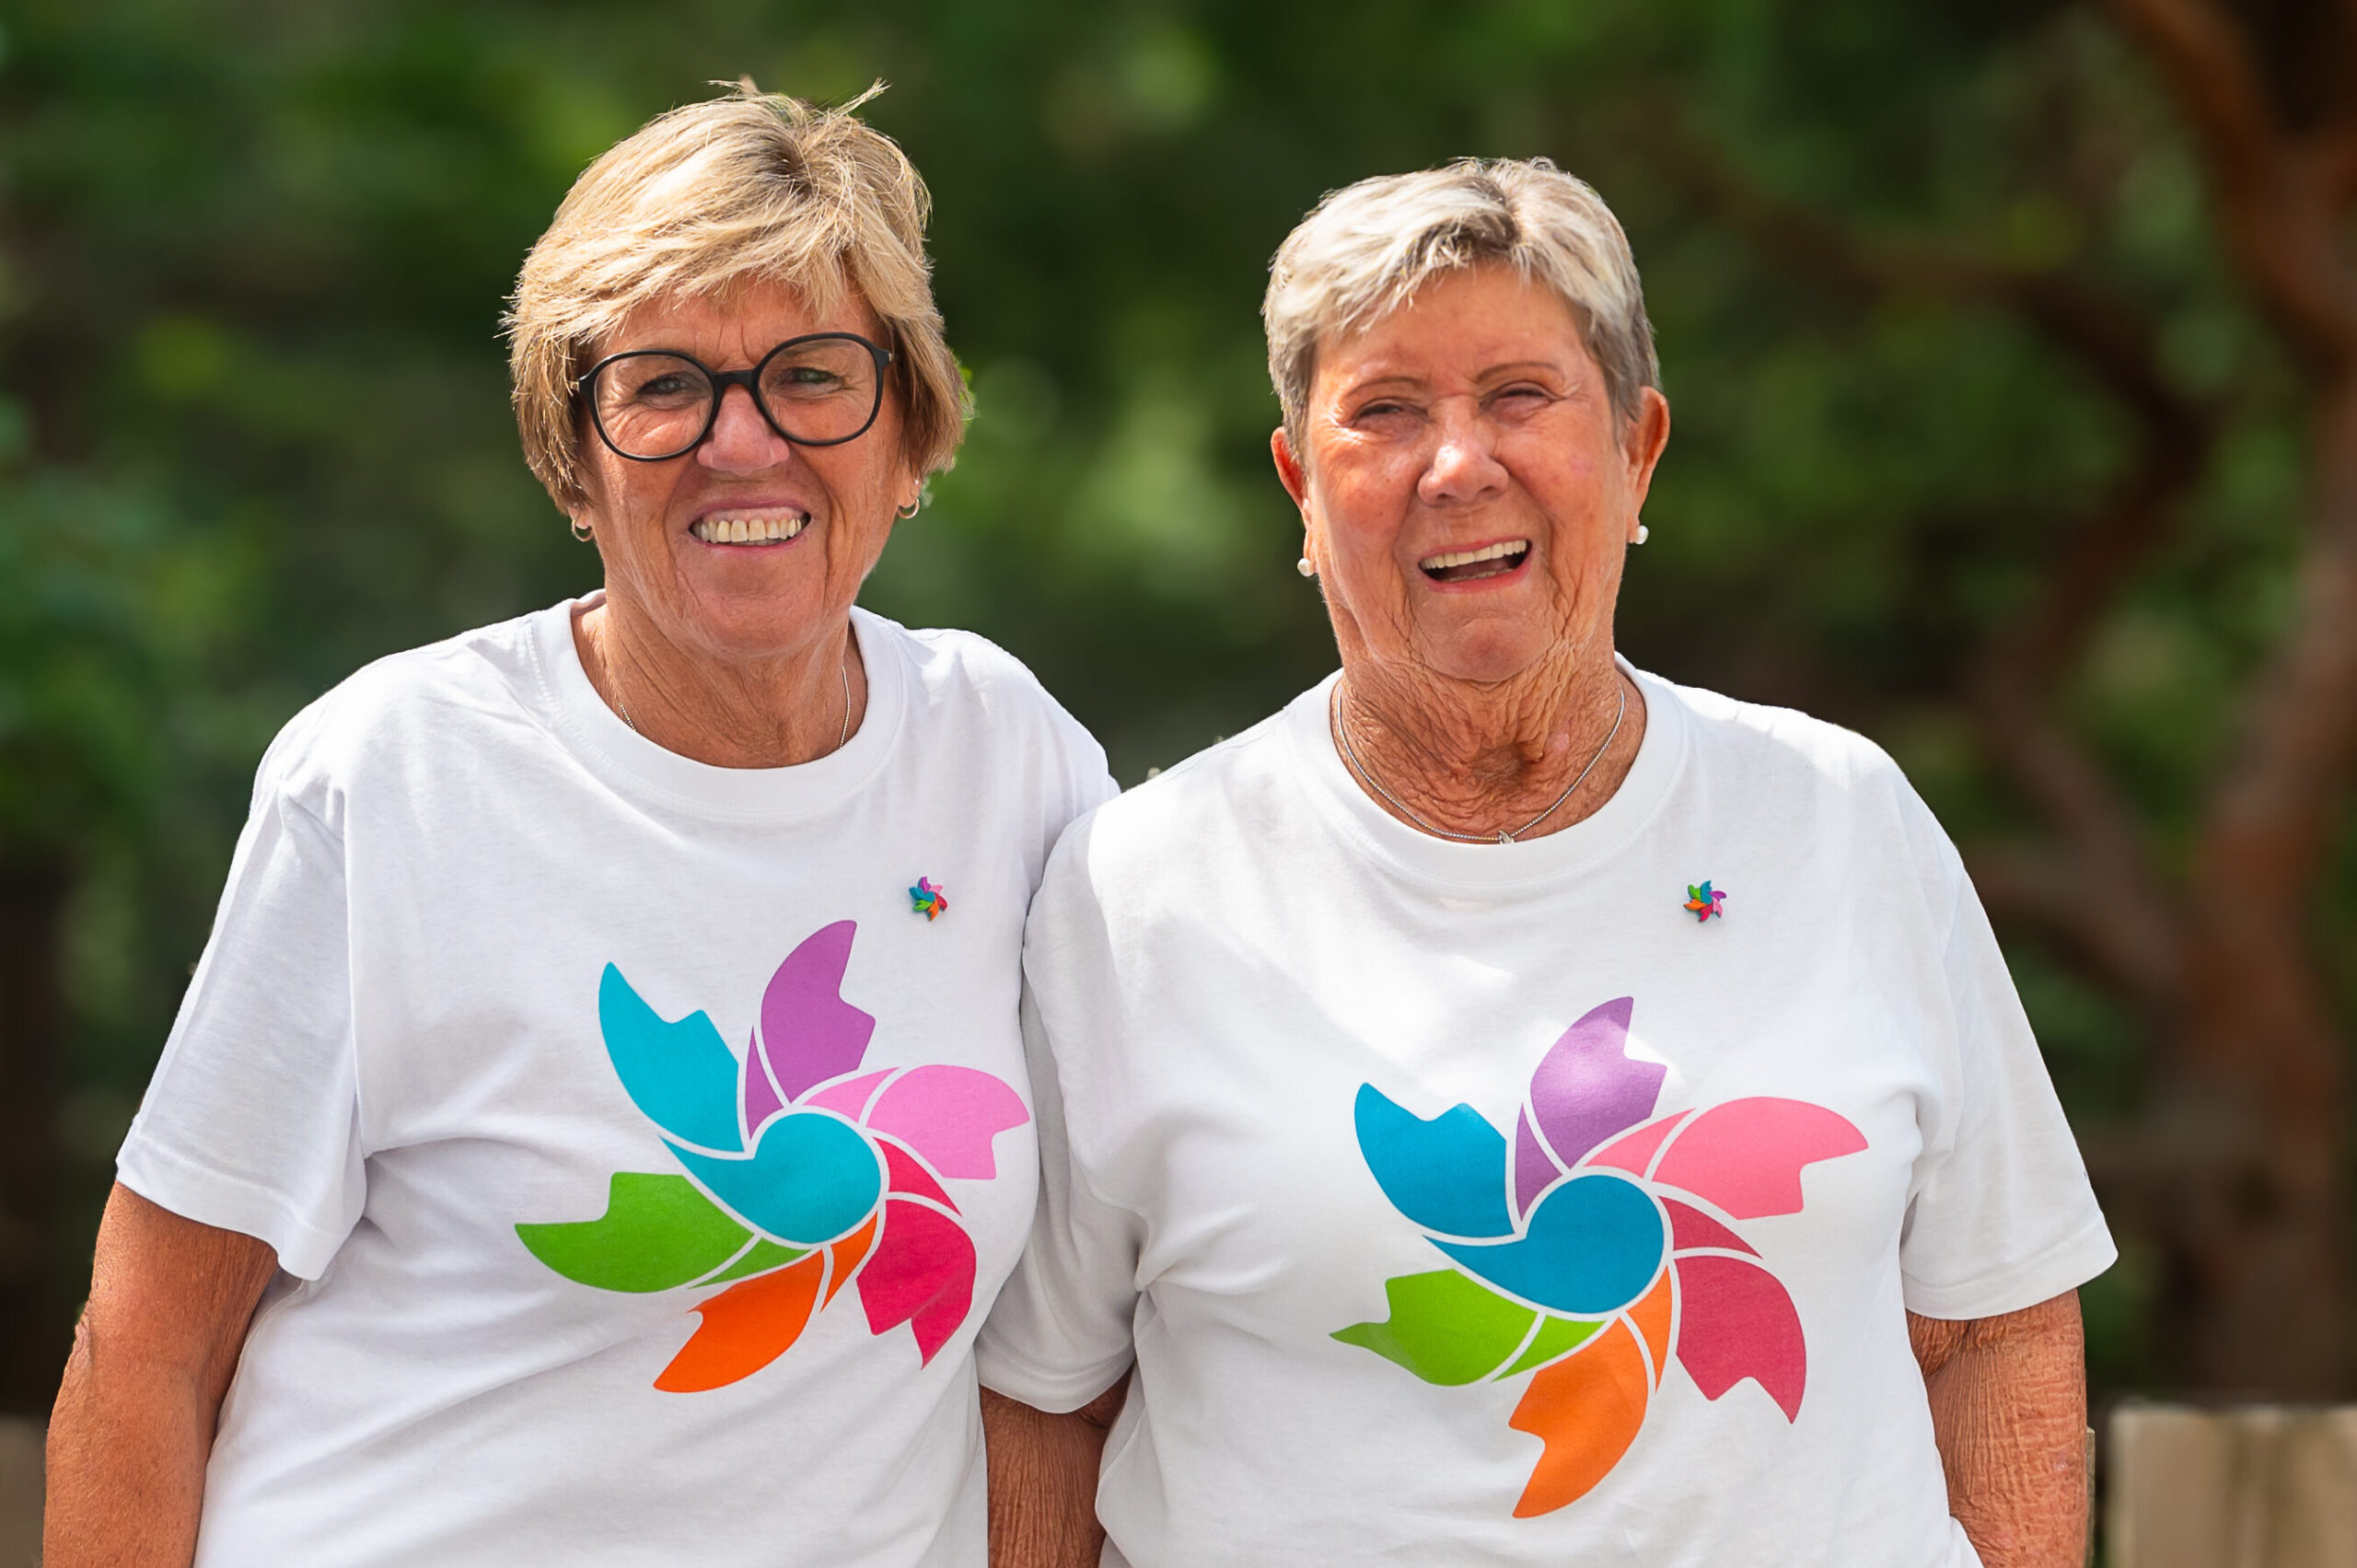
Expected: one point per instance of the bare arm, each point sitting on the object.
(2009, 1407)
(1043, 1480)
(170, 1301)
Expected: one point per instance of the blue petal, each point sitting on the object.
(1593, 1246)
(680, 1075)
(1448, 1174)
(812, 1178)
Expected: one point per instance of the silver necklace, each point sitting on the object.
(842, 669)
(1342, 734)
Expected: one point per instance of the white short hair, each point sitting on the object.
(1364, 251)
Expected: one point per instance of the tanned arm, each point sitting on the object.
(170, 1301)
(1043, 1480)
(2009, 1407)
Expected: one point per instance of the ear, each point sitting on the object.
(1289, 471)
(1641, 445)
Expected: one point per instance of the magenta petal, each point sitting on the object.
(1689, 1227)
(1735, 1321)
(1534, 1172)
(1586, 1089)
(760, 1097)
(809, 1033)
(921, 1274)
(903, 1174)
(949, 1115)
(1746, 1155)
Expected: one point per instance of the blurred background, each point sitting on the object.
(2012, 348)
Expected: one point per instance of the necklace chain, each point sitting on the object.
(1350, 753)
(842, 669)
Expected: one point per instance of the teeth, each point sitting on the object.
(750, 530)
(1448, 558)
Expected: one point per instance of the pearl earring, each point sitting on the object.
(1304, 568)
(1643, 533)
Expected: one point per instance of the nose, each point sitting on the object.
(741, 440)
(1464, 465)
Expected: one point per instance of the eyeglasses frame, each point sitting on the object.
(722, 380)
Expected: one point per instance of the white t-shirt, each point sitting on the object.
(640, 1152)
(1527, 1203)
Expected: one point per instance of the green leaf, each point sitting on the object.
(759, 1257)
(656, 1232)
(1556, 1336)
(1443, 1327)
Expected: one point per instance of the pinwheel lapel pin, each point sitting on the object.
(1703, 901)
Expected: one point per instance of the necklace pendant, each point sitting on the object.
(1505, 837)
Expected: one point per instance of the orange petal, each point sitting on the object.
(744, 1327)
(1587, 1408)
(1652, 1318)
(848, 1253)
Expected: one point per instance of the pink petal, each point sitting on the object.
(1746, 1155)
(922, 1274)
(1735, 1321)
(949, 1115)
(1635, 1152)
(850, 1097)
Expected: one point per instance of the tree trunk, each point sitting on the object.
(35, 1321)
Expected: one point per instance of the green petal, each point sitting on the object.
(761, 1256)
(1556, 1336)
(1443, 1327)
(656, 1232)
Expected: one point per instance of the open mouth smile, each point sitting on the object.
(749, 528)
(1472, 565)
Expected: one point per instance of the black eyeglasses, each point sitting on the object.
(653, 404)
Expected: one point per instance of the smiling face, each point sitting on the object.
(1467, 490)
(748, 547)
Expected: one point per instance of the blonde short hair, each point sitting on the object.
(751, 188)
(1364, 251)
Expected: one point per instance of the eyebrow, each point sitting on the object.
(1501, 371)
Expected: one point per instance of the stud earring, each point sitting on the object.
(1643, 533)
(1304, 568)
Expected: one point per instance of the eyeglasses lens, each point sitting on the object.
(658, 405)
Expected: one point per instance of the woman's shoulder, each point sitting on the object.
(1782, 741)
(970, 682)
(409, 704)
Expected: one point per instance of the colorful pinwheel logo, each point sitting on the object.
(927, 899)
(806, 1173)
(1613, 1252)
(1702, 902)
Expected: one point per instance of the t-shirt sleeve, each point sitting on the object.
(1060, 1333)
(2002, 1215)
(251, 1121)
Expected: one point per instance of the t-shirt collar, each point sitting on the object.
(622, 756)
(1338, 796)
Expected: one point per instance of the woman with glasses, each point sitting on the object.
(598, 1123)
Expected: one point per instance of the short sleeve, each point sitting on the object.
(2002, 1215)
(250, 1123)
(1060, 1334)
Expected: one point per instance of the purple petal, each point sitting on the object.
(1534, 1169)
(809, 1033)
(1586, 1089)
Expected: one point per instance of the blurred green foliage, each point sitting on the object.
(253, 255)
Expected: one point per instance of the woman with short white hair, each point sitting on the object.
(598, 1125)
(1510, 1108)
